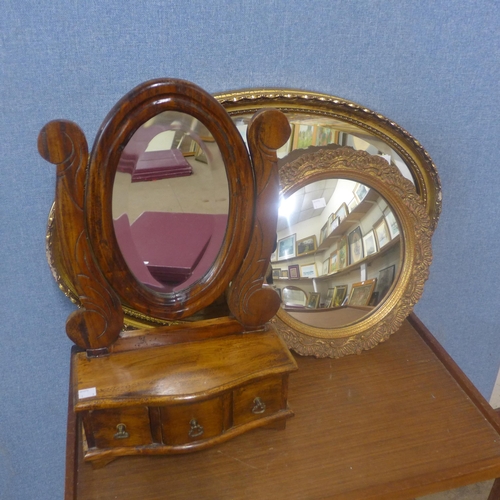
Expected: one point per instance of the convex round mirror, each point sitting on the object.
(353, 251)
(339, 252)
(170, 202)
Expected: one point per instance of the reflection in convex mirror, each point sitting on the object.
(338, 252)
(170, 202)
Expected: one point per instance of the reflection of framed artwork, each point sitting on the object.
(369, 243)
(356, 252)
(308, 271)
(392, 224)
(385, 280)
(342, 252)
(334, 263)
(304, 136)
(276, 272)
(284, 273)
(360, 191)
(306, 245)
(339, 295)
(323, 233)
(342, 212)
(361, 292)
(293, 296)
(326, 267)
(329, 297)
(333, 223)
(293, 272)
(286, 247)
(313, 300)
(382, 233)
(324, 136)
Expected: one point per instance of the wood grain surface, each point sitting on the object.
(393, 422)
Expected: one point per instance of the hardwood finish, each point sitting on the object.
(399, 421)
(180, 397)
(180, 387)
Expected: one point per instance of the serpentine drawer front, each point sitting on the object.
(130, 403)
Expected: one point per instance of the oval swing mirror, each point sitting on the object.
(170, 202)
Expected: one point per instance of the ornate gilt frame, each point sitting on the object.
(418, 161)
(416, 231)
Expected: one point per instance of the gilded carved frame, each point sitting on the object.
(416, 231)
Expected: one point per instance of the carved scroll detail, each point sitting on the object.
(99, 321)
(252, 303)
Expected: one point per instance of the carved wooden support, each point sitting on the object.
(98, 322)
(251, 302)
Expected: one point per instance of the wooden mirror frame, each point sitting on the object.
(418, 161)
(84, 248)
(415, 230)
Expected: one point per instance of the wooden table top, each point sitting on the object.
(398, 421)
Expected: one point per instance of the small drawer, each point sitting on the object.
(257, 400)
(117, 427)
(183, 424)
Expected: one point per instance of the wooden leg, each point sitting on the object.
(495, 490)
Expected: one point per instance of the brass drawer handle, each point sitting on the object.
(196, 429)
(258, 406)
(122, 432)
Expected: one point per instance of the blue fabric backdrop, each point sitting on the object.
(433, 67)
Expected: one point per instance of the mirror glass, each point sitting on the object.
(170, 202)
(338, 252)
(312, 131)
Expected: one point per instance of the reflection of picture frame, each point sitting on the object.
(294, 297)
(304, 136)
(276, 272)
(392, 223)
(326, 267)
(338, 295)
(385, 281)
(334, 263)
(308, 271)
(329, 296)
(342, 212)
(286, 247)
(313, 300)
(306, 245)
(284, 273)
(361, 292)
(333, 223)
(294, 272)
(323, 233)
(342, 252)
(382, 233)
(360, 191)
(369, 243)
(324, 136)
(356, 252)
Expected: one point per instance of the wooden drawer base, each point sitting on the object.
(170, 414)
